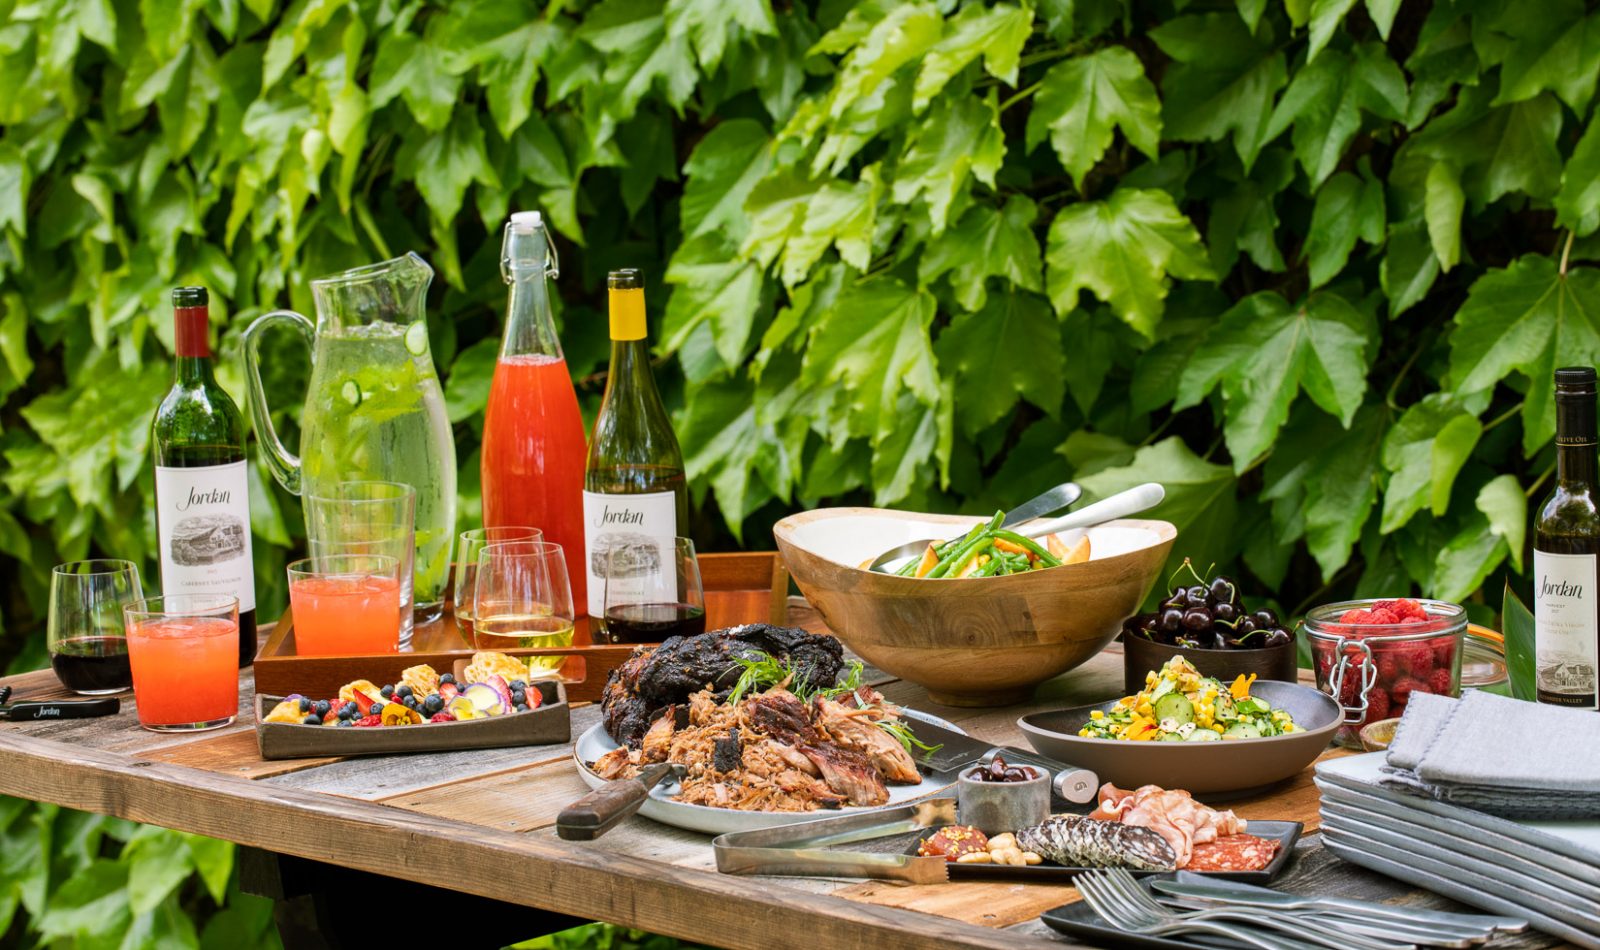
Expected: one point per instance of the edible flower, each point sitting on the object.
(1241, 686)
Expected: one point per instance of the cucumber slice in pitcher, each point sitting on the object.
(351, 393)
(417, 338)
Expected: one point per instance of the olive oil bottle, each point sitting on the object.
(1566, 549)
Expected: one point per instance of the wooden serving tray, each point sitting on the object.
(739, 588)
(550, 723)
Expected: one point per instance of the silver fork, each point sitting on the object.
(1113, 912)
(1123, 892)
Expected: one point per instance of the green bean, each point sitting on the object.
(959, 563)
(1049, 560)
(910, 567)
(995, 566)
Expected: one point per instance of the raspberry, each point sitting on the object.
(1401, 691)
(1383, 615)
(442, 717)
(1417, 658)
(1350, 692)
(1439, 681)
(1388, 666)
(370, 721)
(1444, 651)
(1410, 609)
(1355, 616)
(1377, 705)
(1387, 605)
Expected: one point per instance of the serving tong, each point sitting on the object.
(803, 849)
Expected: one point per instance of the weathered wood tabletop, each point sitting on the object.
(493, 811)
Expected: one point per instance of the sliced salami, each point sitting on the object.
(1233, 853)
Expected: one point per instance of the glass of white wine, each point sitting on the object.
(472, 544)
(523, 600)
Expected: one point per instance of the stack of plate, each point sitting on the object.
(1544, 871)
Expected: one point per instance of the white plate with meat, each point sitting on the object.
(799, 781)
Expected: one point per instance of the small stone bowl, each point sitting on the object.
(997, 807)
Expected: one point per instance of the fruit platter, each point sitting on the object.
(493, 702)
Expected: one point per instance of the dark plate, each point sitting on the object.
(1286, 833)
(1212, 771)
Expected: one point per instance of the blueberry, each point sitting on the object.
(321, 708)
(518, 685)
(402, 691)
(386, 692)
(312, 720)
(519, 696)
(432, 705)
(447, 678)
(344, 722)
(353, 709)
(376, 709)
(305, 704)
(520, 707)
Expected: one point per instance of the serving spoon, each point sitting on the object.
(1049, 502)
(1121, 505)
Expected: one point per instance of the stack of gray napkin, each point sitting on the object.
(1498, 755)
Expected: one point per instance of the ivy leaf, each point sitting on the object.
(1346, 209)
(959, 136)
(1123, 250)
(996, 34)
(466, 391)
(1223, 80)
(158, 861)
(1451, 448)
(1578, 202)
(710, 23)
(1265, 352)
(641, 54)
(1250, 11)
(1326, 15)
(1444, 203)
(840, 214)
(1245, 218)
(719, 428)
(1342, 491)
(167, 25)
(1526, 318)
(1409, 268)
(15, 179)
(1467, 558)
(986, 242)
(1502, 501)
(976, 343)
(414, 70)
(1201, 500)
(1081, 99)
(1558, 50)
(1383, 13)
(722, 170)
(90, 904)
(1420, 473)
(906, 33)
(1325, 100)
(713, 284)
(875, 342)
(449, 161)
(1500, 149)
(899, 459)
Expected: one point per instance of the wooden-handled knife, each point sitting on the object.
(599, 811)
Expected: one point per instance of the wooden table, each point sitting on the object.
(493, 811)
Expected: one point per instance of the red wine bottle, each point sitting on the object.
(202, 490)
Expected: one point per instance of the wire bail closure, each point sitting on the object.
(1353, 715)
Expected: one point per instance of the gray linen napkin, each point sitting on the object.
(1498, 755)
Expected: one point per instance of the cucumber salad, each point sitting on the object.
(1177, 704)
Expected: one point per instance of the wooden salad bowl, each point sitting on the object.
(976, 641)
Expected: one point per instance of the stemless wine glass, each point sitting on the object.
(653, 592)
(523, 599)
(345, 604)
(472, 544)
(184, 651)
(368, 517)
(87, 644)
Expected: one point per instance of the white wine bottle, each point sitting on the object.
(635, 498)
(1566, 547)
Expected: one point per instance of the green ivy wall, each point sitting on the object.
(1308, 263)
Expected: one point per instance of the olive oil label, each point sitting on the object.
(203, 526)
(627, 539)
(1566, 628)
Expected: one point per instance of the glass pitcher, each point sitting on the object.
(375, 410)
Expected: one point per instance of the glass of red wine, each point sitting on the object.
(653, 592)
(87, 643)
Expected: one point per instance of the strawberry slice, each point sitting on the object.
(363, 703)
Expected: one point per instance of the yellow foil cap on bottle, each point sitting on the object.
(627, 305)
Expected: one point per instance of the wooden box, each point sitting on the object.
(739, 588)
(550, 723)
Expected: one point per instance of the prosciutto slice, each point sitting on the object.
(1171, 813)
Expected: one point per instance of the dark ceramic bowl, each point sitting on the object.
(1211, 770)
(1141, 656)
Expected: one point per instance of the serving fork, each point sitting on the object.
(1116, 896)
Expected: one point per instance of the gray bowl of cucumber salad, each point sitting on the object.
(1213, 752)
